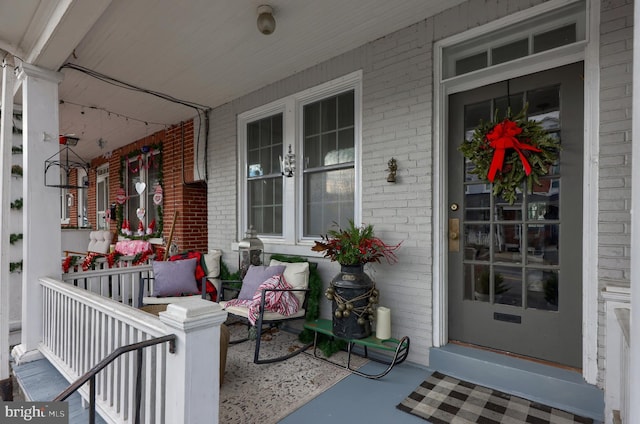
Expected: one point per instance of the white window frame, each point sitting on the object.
(291, 108)
(65, 208)
(142, 198)
(82, 198)
(102, 175)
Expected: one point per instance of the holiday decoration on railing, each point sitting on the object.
(509, 151)
(126, 228)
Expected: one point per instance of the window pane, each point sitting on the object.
(477, 203)
(265, 205)
(133, 199)
(476, 282)
(507, 285)
(478, 237)
(328, 198)
(328, 109)
(542, 289)
(554, 38)
(153, 175)
(514, 103)
(312, 152)
(345, 146)
(471, 63)
(329, 151)
(346, 110)
(475, 113)
(253, 136)
(264, 146)
(312, 119)
(331, 140)
(510, 51)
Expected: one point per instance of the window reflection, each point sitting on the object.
(511, 249)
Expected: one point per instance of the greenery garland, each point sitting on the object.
(15, 266)
(16, 170)
(17, 204)
(14, 238)
(507, 152)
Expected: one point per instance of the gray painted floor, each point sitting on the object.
(361, 400)
(355, 399)
(42, 382)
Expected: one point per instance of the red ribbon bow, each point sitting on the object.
(503, 137)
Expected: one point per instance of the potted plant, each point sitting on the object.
(351, 291)
(482, 287)
(551, 290)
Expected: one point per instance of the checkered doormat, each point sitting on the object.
(441, 399)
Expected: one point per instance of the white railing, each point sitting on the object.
(100, 263)
(617, 326)
(125, 285)
(81, 327)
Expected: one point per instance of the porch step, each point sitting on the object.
(556, 387)
(40, 381)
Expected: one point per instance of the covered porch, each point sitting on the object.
(169, 97)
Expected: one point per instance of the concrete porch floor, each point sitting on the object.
(357, 399)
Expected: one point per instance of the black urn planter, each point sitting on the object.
(352, 293)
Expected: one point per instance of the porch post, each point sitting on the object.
(6, 141)
(634, 343)
(41, 219)
(193, 371)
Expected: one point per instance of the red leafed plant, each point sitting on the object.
(355, 246)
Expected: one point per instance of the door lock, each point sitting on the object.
(454, 235)
(454, 207)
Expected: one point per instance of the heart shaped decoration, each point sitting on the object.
(121, 197)
(140, 187)
(140, 213)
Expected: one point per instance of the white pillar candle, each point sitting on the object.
(383, 323)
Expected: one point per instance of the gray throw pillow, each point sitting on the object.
(174, 278)
(255, 276)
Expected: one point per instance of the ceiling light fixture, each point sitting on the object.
(65, 161)
(266, 21)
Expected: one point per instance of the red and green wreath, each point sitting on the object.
(508, 152)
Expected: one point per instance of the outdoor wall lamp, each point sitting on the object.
(392, 168)
(266, 21)
(288, 164)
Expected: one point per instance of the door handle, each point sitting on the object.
(454, 235)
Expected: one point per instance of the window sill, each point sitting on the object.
(286, 249)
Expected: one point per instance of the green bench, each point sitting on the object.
(399, 348)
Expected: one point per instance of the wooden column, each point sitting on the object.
(6, 141)
(41, 220)
(634, 377)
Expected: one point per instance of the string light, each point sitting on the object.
(109, 113)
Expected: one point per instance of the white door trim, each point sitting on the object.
(589, 53)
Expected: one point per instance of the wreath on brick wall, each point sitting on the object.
(507, 152)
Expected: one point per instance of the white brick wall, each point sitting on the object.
(614, 219)
(397, 122)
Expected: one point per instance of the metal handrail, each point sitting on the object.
(91, 374)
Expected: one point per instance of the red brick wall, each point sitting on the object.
(182, 195)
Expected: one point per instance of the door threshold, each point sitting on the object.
(517, 356)
(540, 381)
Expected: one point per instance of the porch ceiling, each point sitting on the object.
(202, 51)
